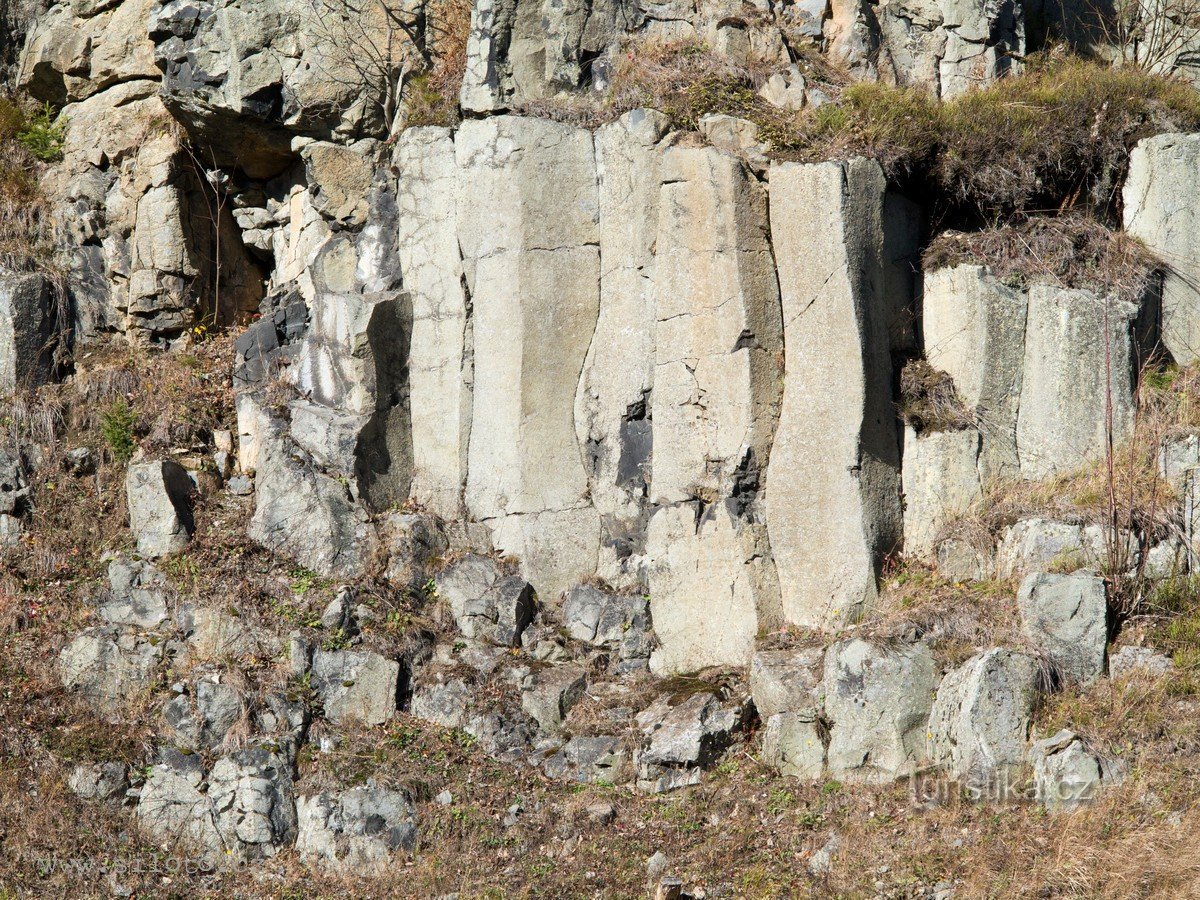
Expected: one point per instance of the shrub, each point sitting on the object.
(116, 426)
(43, 135)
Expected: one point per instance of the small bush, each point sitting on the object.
(43, 135)
(116, 426)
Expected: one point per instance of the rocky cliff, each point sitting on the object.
(594, 395)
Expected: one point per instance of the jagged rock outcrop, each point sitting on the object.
(159, 495)
(355, 831)
(837, 421)
(28, 331)
(1066, 618)
(941, 482)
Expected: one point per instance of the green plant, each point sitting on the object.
(43, 135)
(116, 427)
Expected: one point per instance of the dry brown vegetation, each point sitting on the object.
(929, 401)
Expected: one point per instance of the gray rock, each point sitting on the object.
(159, 497)
(961, 560)
(1035, 545)
(253, 802)
(502, 733)
(979, 723)
(1158, 210)
(548, 694)
(1066, 618)
(339, 614)
(974, 331)
(832, 270)
(241, 485)
(14, 489)
(11, 530)
(486, 604)
(173, 806)
(443, 702)
(821, 860)
(683, 738)
(1065, 393)
(110, 666)
(590, 760)
(415, 545)
(80, 461)
(27, 332)
(137, 594)
(1131, 661)
(217, 635)
(355, 831)
(788, 681)
(354, 685)
(98, 781)
(794, 744)
(616, 622)
(942, 481)
(202, 720)
(1066, 774)
(877, 701)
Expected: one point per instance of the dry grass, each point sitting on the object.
(1074, 251)
(929, 400)
(432, 95)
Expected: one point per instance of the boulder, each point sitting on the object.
(685, 735)
(442, 700)
(837, 423)
(718, 333)
(941, 482)
(547, 694)
(202, 720)
(1159, 210)
(173, 807)
(614, 622)
(788, 681)
(1066, 618)
(1067, 775)
(1132, 661)
(1065, 392)
(253, 802)
(355, 685)
(1035, 545)
(14, 488)
(216, 634)
(712, 586)
(98, 781)
(877, 701)
(962, 560)
(487, 604)
(980, 720)
(159, 496)
(793, 744)
(137, 594)
(27, 332)
(534, 288)
(110, 666)
(357, 831)
(590, 760)
(440, 357)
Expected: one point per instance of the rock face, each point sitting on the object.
(1069, 378)
(837, 421)
(974, 331)
(1158, 209)
(108, 666)
(979, 723)
(355, 686)
(535, 296)
(159, 497)
(878, 703)
(1066, 774)
(137, 594)
(941, 481)
(615, 622)
(355, 831)
(27, 332)
(1066, 618)
(487, 603)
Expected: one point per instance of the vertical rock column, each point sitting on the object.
(833, 484)
(1163, 209)
(527, 225)
(440, 355)
(612, 407)
(718, 342)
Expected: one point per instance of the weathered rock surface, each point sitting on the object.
(685, 736)
(615, 622)
(487, 603)
(1066, 774)
(941, 482)
(355, 685)
(110, 666)
(1037, 545)
(14, 487)
(160, 514)
(979, 723)
(137, 594)
(793, 744)
(201, 720)
(534, 288)
(712, 586)
(355, 831)
(1158, 209)
(590, 760)
(837, 421)
(548, 694)
(27, 332)
(1066, 618)
(1069, 378)
(974, 331)
(98, 781)
(788, 681)
(877, 702)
